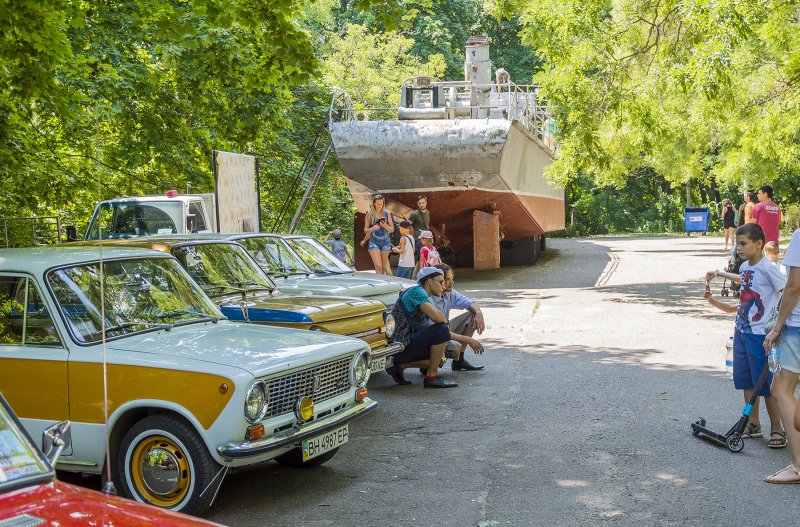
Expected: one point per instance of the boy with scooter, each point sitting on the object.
(762, 283)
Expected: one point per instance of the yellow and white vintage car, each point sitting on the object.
(137, 357)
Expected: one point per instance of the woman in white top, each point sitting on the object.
(785, 335)
(405, 266)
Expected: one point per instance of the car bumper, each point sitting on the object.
(294, 436)
(389, 349)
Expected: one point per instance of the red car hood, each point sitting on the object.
(61, 504)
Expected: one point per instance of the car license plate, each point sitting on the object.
(316, 446)
(377, 365)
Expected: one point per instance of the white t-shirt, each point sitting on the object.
(407, 256)
(759, 295)
(792, 259)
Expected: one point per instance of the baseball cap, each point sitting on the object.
(405, 224)
(426, 234)
(425, 272)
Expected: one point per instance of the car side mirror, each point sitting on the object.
(55, 439)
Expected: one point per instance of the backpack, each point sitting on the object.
(402, 329)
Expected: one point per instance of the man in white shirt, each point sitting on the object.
(464, 325)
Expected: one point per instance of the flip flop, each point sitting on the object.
(770, 479)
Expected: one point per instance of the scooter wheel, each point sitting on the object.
(734, 442)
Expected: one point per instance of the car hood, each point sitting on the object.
(260, 350)
(340, 284)
(405, 283)
(61, 504)
(296, 309)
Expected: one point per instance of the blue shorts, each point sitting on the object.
(404, 272)
(749, 360)
(789, 346)
(421, 341)
(383, 247)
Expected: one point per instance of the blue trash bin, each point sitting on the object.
(695, 219)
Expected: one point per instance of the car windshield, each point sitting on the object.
(222, 268)
(274, 255)
(317, 257)
(21, 463)
(140, 295)
(134, 219)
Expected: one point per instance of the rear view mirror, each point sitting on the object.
(55, 439)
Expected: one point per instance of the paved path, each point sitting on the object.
(599, 358)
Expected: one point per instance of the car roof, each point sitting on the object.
(37, 260)
(264, 235)
(157, 197)
(169, 240)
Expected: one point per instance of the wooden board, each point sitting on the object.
(486, 240)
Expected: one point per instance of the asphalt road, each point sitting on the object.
(598, 359)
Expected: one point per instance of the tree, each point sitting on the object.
(690, 88)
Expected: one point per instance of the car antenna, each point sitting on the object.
(108, 485)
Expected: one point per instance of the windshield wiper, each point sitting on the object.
(258, 285)
(148, 325)
(205, 317)
(223, 288)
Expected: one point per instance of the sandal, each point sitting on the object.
(752, 430)
(778, 442)
(774, 477)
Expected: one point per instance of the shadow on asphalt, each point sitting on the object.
(582, 266)
(677, 298)
(559, 432)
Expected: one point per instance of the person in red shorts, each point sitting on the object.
(767, 214)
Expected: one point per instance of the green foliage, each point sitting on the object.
(690, 88)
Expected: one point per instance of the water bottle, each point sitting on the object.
(729, 358)
(774, 359)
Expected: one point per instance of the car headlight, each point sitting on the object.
(316, 328)
(256, 402)
(390, 325)
(359, 370)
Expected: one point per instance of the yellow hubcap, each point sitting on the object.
(160, 471)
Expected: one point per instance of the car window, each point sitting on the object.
(137, 295)
(24, 318)
(317, 256)
(273, 255)
(222, 268)
(198, 221)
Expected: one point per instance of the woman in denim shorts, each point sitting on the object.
(379, 225)
(786, 338)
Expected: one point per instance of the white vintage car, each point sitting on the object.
(133, 353)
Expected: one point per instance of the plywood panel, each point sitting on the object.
(486, 240)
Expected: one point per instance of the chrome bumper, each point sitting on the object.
(389, 349)
(295, 436)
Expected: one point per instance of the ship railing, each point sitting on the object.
(464, 100)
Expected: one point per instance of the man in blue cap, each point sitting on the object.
(429, 331)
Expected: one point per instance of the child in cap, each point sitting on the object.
(338, 247)
(428, 255)
(405, 265)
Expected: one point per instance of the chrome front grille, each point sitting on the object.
(330, 379)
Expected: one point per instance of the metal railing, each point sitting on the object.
(465, 100)
(31, 231)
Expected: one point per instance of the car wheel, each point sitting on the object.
(164, 462)
(294, 458)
